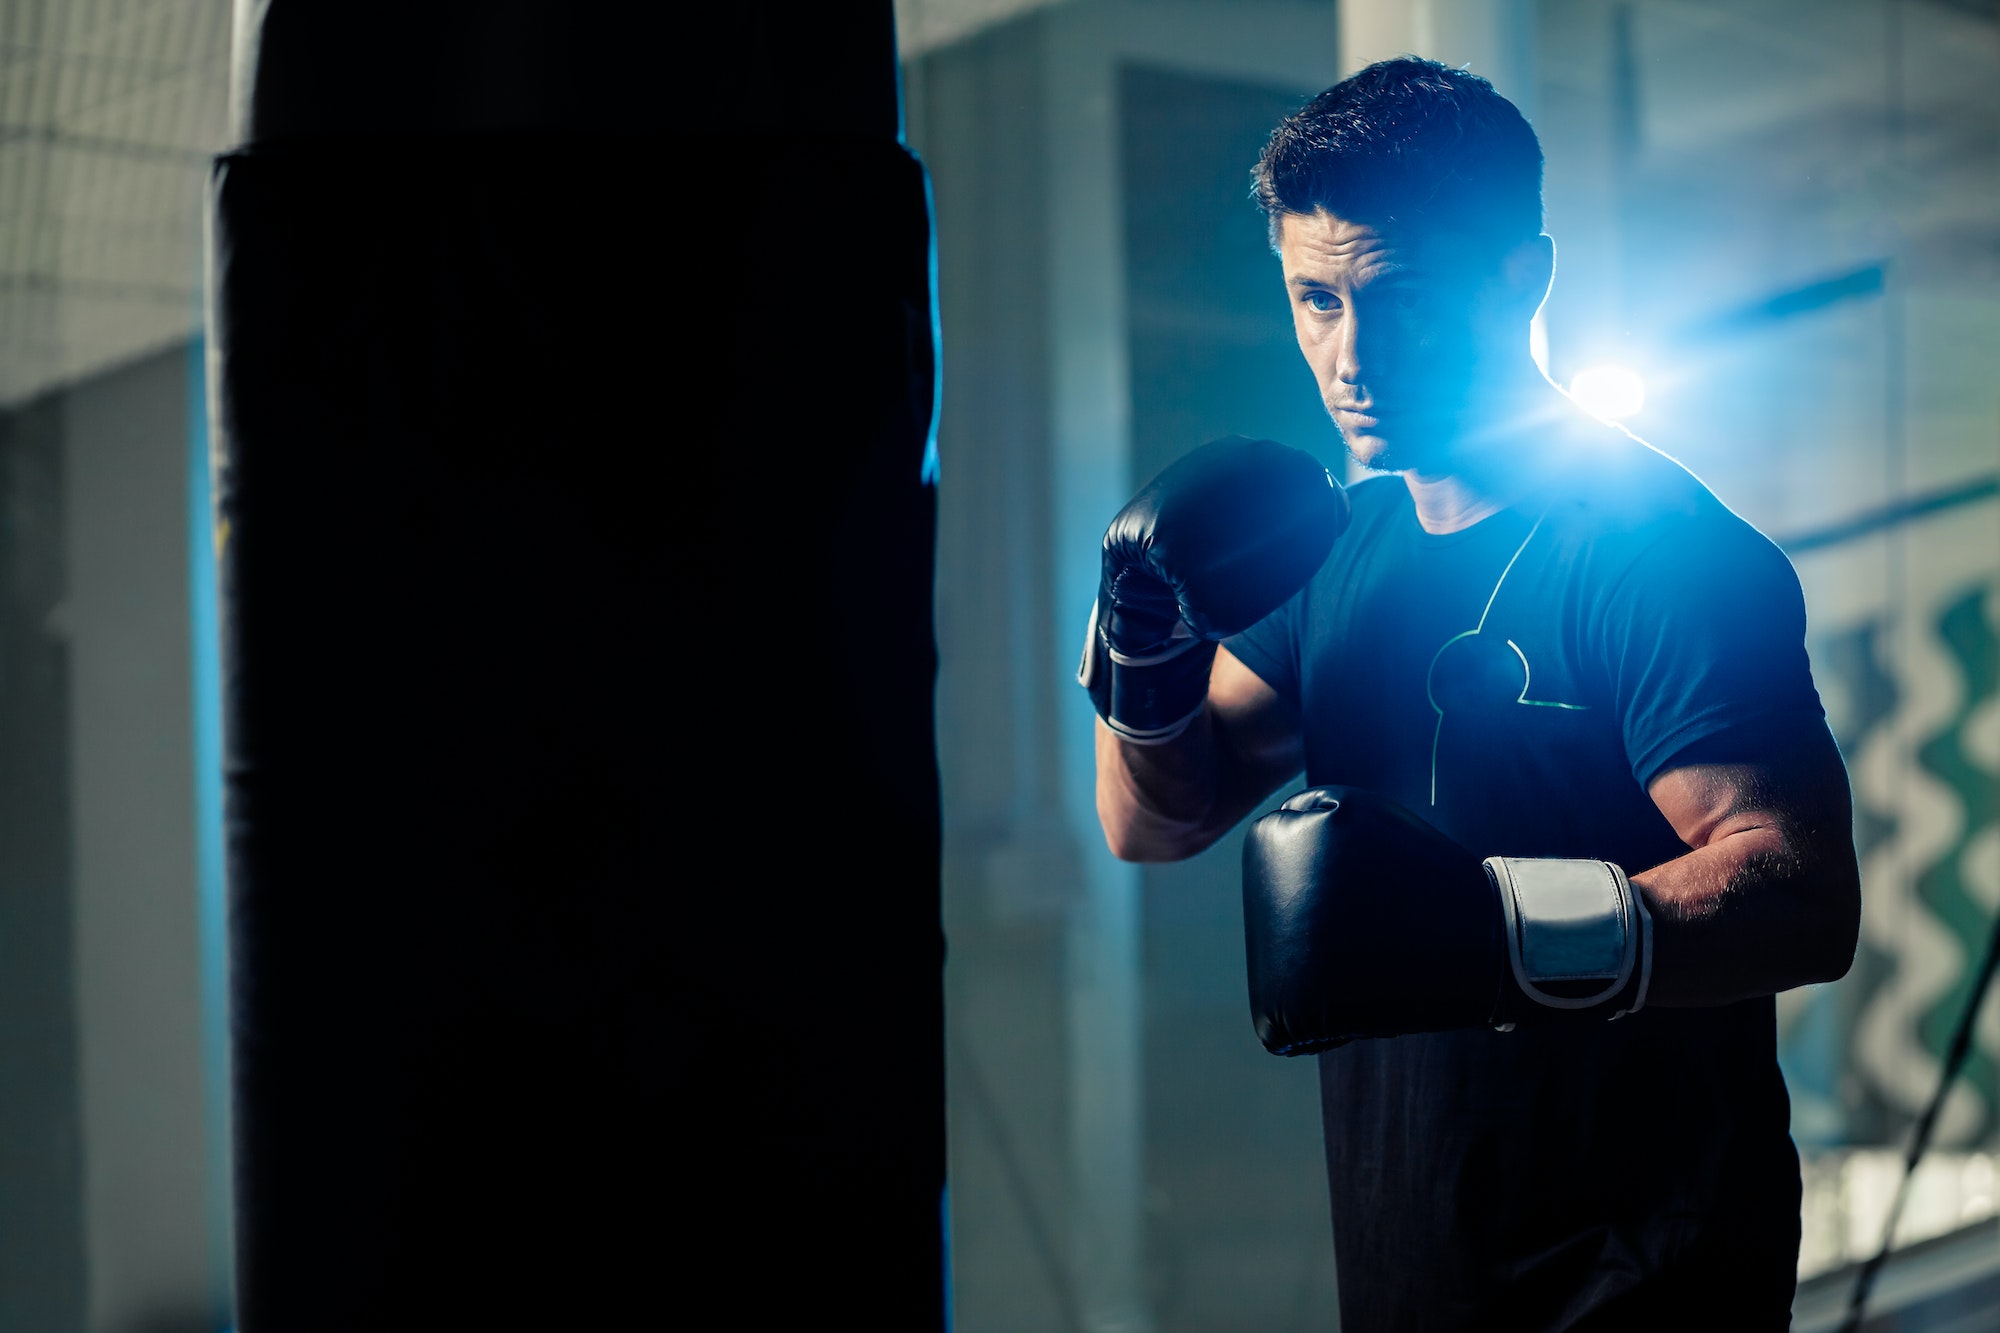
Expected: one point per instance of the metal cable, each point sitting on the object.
(1920, 1138)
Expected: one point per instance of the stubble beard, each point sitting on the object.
(1394, 456)
(1389, 459)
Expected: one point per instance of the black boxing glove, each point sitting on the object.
(1211, 546)
(1361, 920)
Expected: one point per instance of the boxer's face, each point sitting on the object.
(1401, 331)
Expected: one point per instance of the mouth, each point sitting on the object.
(1354, 418)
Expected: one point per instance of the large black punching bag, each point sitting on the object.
(573, 369)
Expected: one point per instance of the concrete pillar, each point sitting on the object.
(1090, 437)
(135, 912)
(1093, 474)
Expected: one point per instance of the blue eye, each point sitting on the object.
(1322, 303)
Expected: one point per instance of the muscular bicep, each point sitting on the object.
(1796, 789)
(1769, 896)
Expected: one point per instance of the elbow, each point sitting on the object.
(1126, 847)
(1122, 843)
(1839, 933)
(1148, 847)
(1138, 834)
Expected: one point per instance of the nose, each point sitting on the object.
(1347, 349)
(1362, 347)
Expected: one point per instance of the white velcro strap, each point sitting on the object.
(1571, 924)
(1157, 736)
(1086, 670)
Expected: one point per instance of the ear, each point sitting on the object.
(1528, 269)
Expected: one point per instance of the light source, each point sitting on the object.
(1611, 392)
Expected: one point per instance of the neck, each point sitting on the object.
(1450, 503)
(1501, 458)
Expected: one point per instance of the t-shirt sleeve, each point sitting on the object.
(1704, 636)
(1271, 649)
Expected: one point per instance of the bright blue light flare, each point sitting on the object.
(210, 888)
(1610, 392)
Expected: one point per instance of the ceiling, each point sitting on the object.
(109, 110)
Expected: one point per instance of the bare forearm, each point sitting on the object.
(1167, 802)
(1751, 913)
(1156, 801)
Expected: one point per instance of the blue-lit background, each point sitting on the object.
(1778, 232)
(1778, 259)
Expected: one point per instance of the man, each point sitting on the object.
(1540, 640)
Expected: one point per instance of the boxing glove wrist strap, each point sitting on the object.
(1147, 698)
(1578, 934)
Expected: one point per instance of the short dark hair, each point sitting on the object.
(1408, 142)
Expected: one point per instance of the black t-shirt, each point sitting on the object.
(1519, 684)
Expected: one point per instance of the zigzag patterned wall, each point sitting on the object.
(1913, 691)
